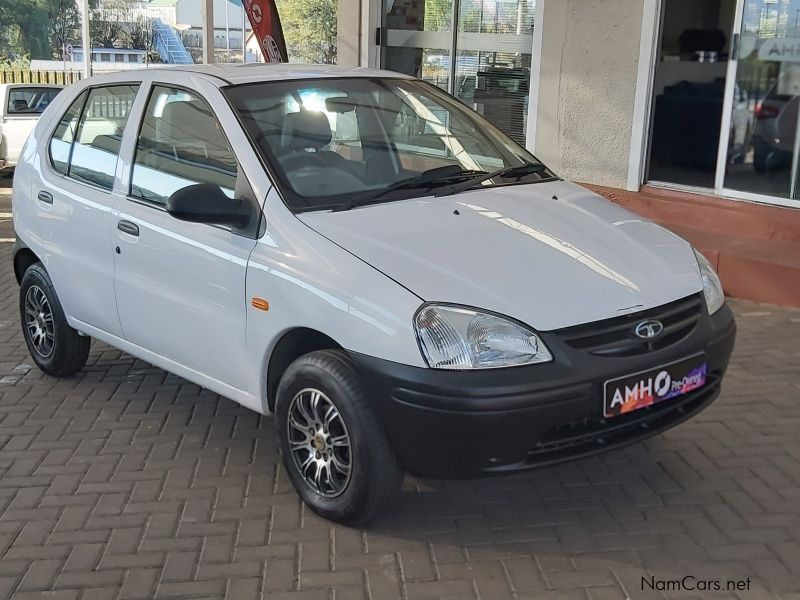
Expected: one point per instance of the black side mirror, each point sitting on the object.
(207, 203)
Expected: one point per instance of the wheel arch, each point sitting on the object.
(290, 346)
(24, 257)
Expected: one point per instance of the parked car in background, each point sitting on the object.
(21, 105)
(776, 123)
(354, 251)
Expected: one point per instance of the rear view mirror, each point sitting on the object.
(207, 203)
(340, 104)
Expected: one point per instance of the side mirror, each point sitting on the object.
(207, 203)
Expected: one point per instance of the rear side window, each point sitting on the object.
(61, 143)
(181, 143)
(29, 100)
(102, 123)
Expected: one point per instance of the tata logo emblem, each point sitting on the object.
(648, 329)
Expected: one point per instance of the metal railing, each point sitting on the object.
(169, 46)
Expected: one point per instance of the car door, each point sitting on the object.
(180, 286)
(73, 193)
(22, 107)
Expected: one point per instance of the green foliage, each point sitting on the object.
(309, 27)
(36, 28)
(21, 64)
(438, 14)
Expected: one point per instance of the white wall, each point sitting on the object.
(587, 86)
(189, 12)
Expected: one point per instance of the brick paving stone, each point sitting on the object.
(127, 483)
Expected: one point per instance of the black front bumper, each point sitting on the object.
(457, 424)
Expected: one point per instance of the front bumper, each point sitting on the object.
(458, 424)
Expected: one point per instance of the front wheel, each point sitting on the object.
(56, 348)
(333, 446)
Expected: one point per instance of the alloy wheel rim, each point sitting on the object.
(319, 442)
(39, 321)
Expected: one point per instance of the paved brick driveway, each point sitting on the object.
(127, 482)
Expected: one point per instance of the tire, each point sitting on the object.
(760, 158)
(67, 352)
(351, 496)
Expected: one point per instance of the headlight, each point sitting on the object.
(712, 287)
(459, 338)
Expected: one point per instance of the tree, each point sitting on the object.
(106, 27)
(65, 22)
(22, 23)
(142, 36)
(309, 27)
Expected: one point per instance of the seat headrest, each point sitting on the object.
(191, 121)
(306, 129)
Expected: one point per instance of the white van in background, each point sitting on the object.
(21, 104)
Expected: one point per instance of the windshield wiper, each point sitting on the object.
(427, 179)
(517, 172)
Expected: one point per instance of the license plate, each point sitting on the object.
(638, 390)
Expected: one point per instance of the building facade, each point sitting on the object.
(684, 110)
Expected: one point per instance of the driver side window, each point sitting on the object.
(181, 143)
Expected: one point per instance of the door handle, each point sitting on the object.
(45, 197)
(128, 227)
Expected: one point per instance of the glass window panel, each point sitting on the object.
(181, 143)
(95, 152)
(493, 60)
(64, 135)
(30, 100)
(762, 153)
(330, 141)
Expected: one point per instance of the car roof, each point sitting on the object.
(256, 72)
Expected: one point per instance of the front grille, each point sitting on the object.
(615, 337)
(585, 436)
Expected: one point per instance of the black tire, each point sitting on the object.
(67, 353)
(761, 156)
(374, 475)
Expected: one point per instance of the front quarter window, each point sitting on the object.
(329, 142)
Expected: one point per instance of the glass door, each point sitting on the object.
(491, 42)
(493, 61)
(760, 157)
(417, 39)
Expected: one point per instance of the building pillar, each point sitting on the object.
(207, 14)
(587, 84)
(348, 33)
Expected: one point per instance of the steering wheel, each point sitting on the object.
(301, 160)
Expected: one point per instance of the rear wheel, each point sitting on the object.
(56, 348)
(761, 155)
(333, 446)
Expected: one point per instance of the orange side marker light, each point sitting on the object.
(260, 304)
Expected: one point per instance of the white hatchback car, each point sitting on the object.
(357, 252)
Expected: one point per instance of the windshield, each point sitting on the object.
(331, 142)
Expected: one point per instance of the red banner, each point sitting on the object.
(263, 15)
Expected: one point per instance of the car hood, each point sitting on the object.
(549, 254)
